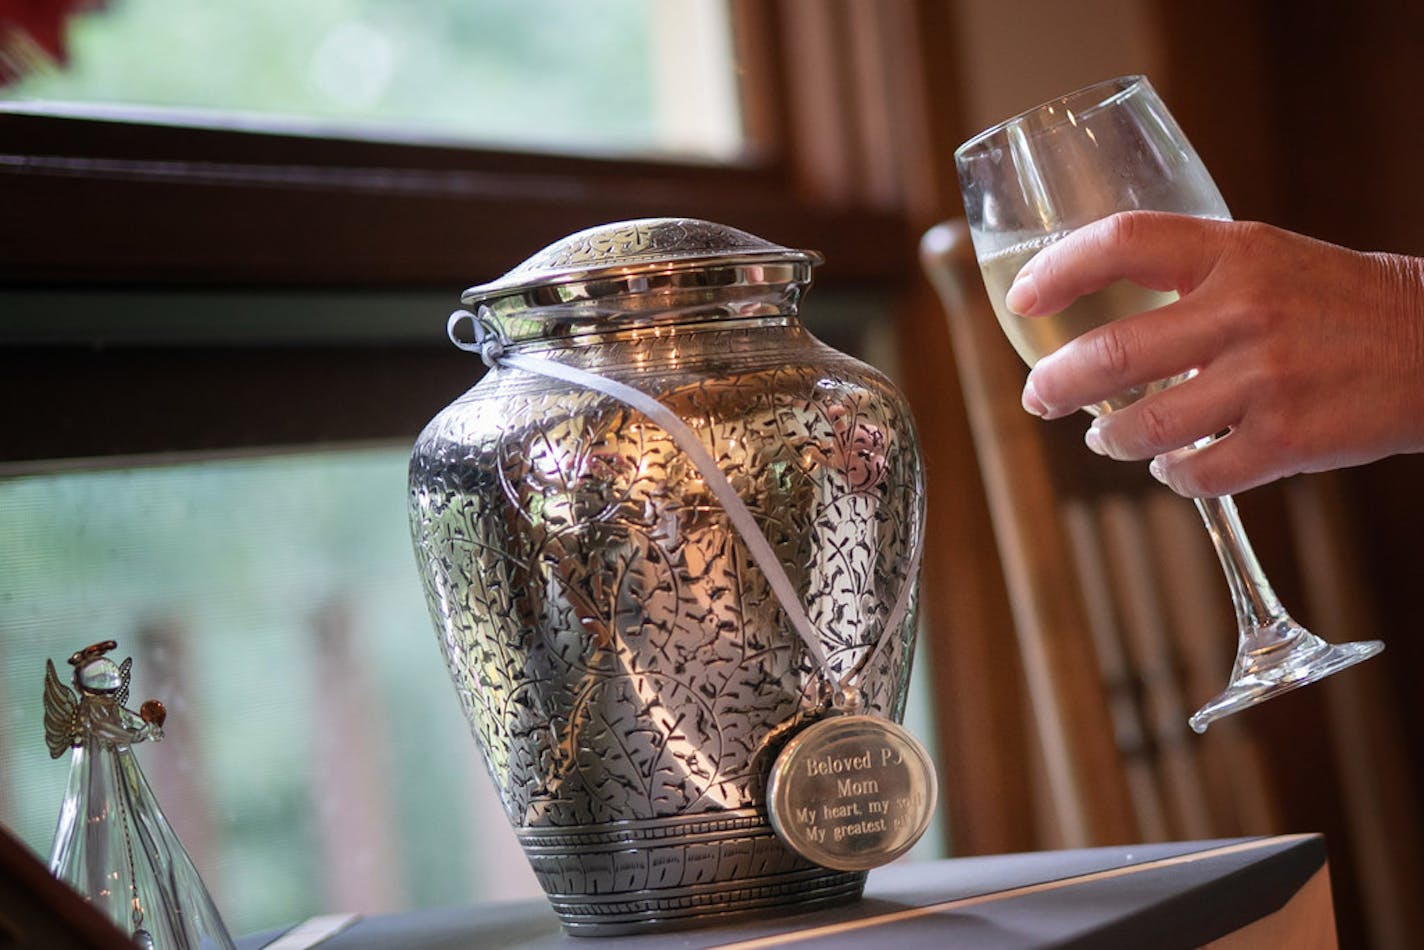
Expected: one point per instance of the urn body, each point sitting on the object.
(625, 667)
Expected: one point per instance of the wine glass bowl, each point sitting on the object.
(1032, 179)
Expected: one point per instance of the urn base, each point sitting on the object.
(665, 874)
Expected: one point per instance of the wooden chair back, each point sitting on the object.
(1120, 609)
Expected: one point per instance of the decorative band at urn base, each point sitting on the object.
(663, 874)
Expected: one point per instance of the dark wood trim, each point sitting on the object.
(766, 108)
(75, 403)
(100, 202)
(38, 910)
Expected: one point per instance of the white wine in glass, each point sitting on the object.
(1032, 179)
(1036, 337)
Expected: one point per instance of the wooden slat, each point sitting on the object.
(1379, 798)
(1128, 560)
(822, 155)
(1085, 776)
(1121, 686)
(975, 673)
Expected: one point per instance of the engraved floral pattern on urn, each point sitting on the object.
(624, 666)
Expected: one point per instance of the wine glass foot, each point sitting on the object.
(1258, 679)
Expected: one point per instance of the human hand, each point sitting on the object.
(1308, 355)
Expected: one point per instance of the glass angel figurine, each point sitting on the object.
(113, 844)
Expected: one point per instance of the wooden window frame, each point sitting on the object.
(105, 208)
(122, 203)
(103, 203)
(851, 110)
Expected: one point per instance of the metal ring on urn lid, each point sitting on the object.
(644, 272)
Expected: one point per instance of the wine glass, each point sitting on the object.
(1026, 183)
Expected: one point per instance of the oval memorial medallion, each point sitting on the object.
(852, 792)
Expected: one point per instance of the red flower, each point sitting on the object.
(33, 30)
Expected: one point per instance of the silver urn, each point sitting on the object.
(624, 665)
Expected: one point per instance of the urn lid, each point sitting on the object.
(645, 270)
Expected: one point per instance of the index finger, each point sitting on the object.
(1157, 250)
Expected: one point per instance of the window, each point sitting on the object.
(622, 76)
(218, 333)
(314, 754)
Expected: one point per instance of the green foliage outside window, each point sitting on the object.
(554, 74)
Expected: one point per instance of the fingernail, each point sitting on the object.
(1156, 470)
(1030, 400)
(1094, 440)
(1022, 295)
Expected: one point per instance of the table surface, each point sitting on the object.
(1182, 894)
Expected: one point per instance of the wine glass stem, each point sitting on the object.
(1258, 613)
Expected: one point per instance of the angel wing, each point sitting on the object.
(125, 672)
(61, 713)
